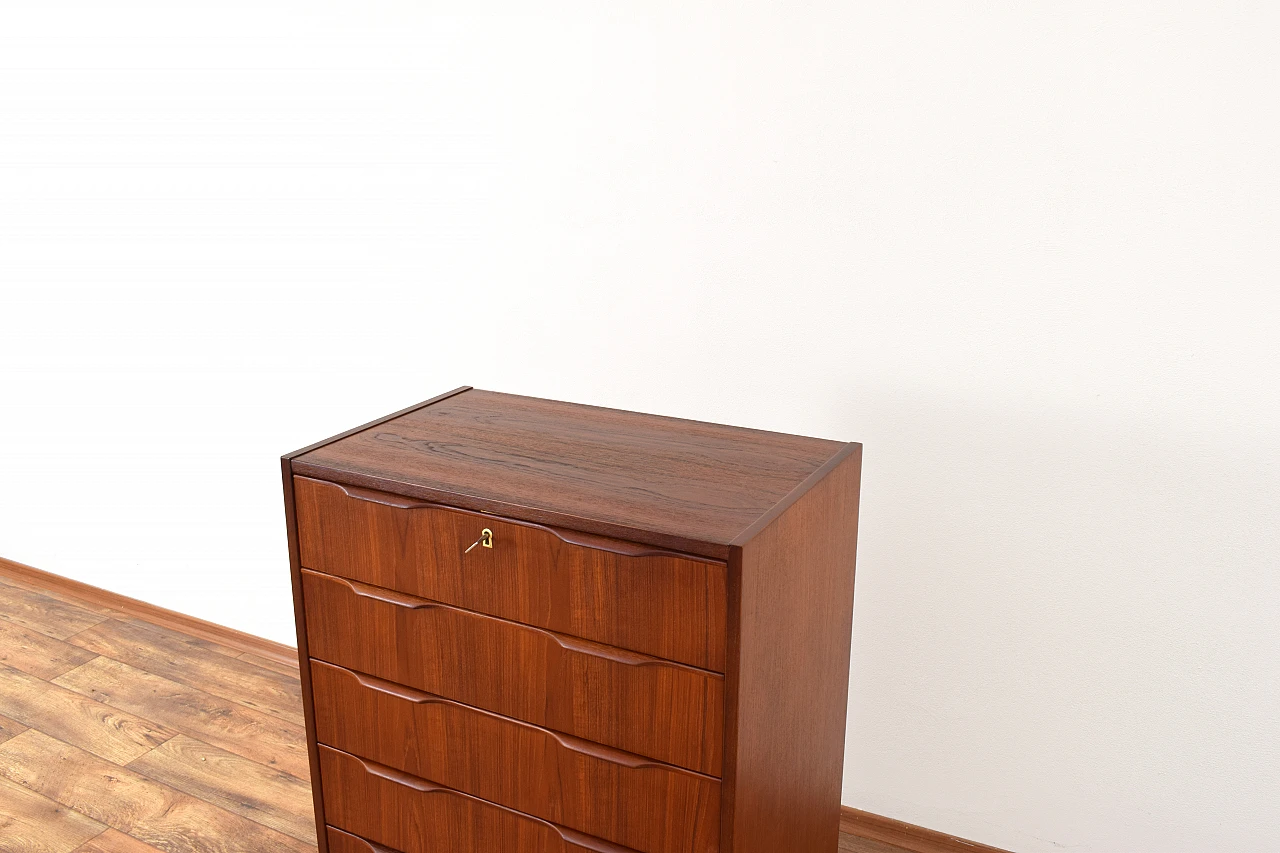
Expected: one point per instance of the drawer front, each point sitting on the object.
(612, 592)
(635, 703)
(414, 816)
(652, 807)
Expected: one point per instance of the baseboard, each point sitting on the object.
(125, 606)
(908, 836)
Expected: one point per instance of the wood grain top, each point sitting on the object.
(673, 483)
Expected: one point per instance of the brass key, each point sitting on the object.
(486, 539)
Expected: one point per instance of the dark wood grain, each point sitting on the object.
(677, 484)
(375, 422)
(636, 802)
(725, 653)
(623, 699)
(304, 654)
(659, 603)
(791, 607)
(415, 816)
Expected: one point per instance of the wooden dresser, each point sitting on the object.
(539, 627)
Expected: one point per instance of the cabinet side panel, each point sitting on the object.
(304, 663)
(792, 598)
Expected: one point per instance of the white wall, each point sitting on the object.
(1026, 252)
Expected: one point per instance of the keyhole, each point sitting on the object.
(485, 540)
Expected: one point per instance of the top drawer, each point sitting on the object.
(630, 596)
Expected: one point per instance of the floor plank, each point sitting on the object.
(38, 654)
(10, 728)
(186, 661)
(179, 637)
(44, 613)
(114, 841)
(248, 733)
(153, 813)
(30, 823)
(237, 784)
(107, 732)
(290, 669)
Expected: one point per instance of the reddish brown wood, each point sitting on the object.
(623, 699)
(737, 668)
(345, 842)
(791, 608)
(299, 608)
(905, 837)
(677, 484)
(636, 802)
(376, 422)
(300, 618)
(415, 816)
(659, 603)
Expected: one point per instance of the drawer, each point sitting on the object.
(618, 593)
(633, 702)
(412, 815)
(652, 807)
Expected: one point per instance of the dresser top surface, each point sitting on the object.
(668, 482)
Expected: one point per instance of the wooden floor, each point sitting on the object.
(122, 736)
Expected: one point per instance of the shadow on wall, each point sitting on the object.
(1065, 623)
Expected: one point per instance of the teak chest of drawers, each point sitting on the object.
(539, 627)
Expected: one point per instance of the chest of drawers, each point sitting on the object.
(538, 627)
